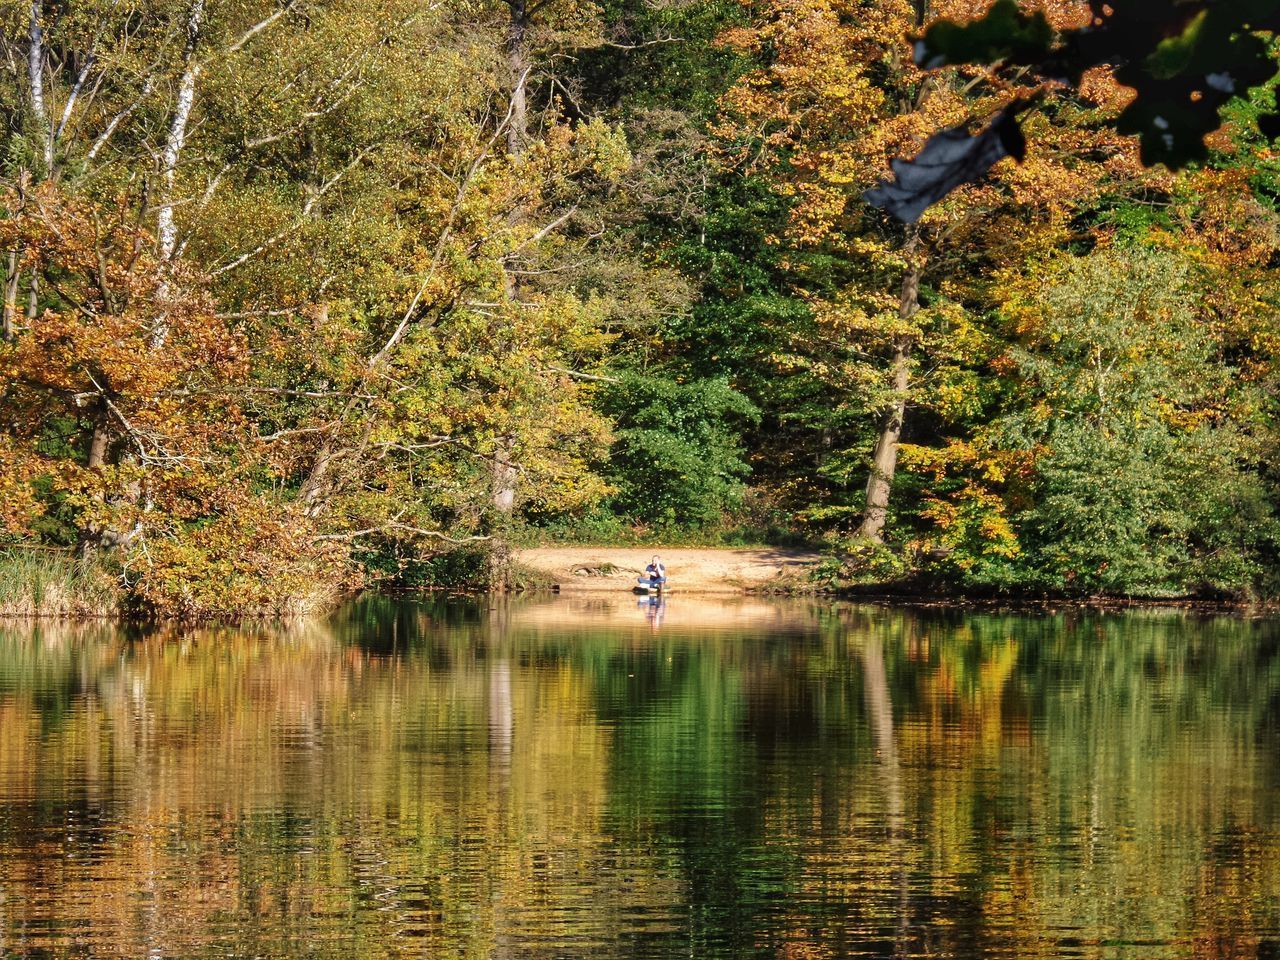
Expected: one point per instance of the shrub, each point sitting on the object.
(258, 561)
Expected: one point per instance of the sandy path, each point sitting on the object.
(690, 570)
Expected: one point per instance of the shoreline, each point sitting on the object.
(599, 571)
(1018, 606)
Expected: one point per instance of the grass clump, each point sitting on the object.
(55, 583)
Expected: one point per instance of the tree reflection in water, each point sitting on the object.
(557, 778)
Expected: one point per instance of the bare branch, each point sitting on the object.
(576, 264)
(245, 314)
(638, 46)
(401, 528)
(311, 394)
(319, 111)
(583, 376)
(70, 105)
(294, 431)
(307, 207)
(259, 27)
(120, 117)
(541, 234)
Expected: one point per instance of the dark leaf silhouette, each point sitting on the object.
(950, 159)
(1005, 33)
(1185, 60)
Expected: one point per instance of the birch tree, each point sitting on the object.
(167, 235)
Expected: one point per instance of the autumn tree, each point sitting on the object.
(355, 221)
(297, 292)
(835, 98)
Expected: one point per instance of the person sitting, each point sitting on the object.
(656, 572)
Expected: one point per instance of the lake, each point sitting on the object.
(613, 778)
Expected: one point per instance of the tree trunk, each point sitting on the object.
(518, 64)
(504, 472)
(11, 295)
(504, 475)
(318, 485)
(166, 226)
(502, 493)
(99, 443)
(35, 78)
(33, 296)
(35, 60)
(884, 460)
(93, 538)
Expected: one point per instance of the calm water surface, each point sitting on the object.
(603, 779)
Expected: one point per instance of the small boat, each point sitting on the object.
(645, 585)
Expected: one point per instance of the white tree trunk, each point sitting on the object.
(166, 228)
(35, 77)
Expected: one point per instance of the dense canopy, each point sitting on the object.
(305, 294)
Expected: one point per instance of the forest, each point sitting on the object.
(305, 295)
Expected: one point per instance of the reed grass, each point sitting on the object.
(54, 583)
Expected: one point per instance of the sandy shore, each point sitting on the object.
(689, 570)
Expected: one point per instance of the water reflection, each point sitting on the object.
(599, 778)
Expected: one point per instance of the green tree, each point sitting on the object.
(1146, 478)
(677, 461)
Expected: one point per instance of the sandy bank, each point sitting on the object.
(690, 570)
